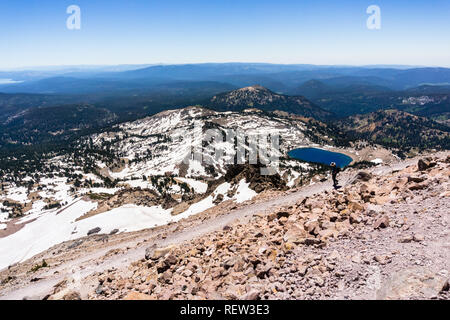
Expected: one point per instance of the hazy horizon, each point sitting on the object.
(146, 65)
(322, 32)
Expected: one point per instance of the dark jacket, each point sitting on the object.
(335, 170)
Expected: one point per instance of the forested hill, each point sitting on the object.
(397, 129)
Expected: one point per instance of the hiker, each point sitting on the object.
(334, 172)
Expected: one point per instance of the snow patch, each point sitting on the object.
(243, 192)
(198, 186)
(377, 161)
(126, 218)
(41, 234)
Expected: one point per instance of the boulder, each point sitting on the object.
(416, 283)
(382, 259)
(302, 269)
(253, 294)
(166, 263)
(361, 176)
(158, 253)
(312, 241)
(328, 233)
(218, 199)
(312, 226)
(446, 286)
(416, 179)
(133, 295)
(236, 261)
(94, 231)
(114, 231)
(406, 239)
(227, 228)
(65, 294)
(355, 206)
(72, 295)
(418, 186)
(277, 215)
(263, 270)
(382, 222)
(354, 218)
(425, 164)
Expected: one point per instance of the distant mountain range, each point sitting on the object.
(342, 90)
(276, 77)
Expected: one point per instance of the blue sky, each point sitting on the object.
(34, 33)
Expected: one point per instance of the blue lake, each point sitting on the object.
(320, 156)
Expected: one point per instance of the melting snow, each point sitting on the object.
(198, 186)
(126, 218)
(243, 192)
(18, 194)
(377, 161)
(41, 234)
(3, 215)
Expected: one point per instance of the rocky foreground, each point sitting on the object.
(383, 235)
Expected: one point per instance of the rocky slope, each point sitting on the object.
(383, 235)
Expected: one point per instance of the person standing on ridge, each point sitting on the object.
(334, 172)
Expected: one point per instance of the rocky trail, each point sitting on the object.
(386, 237)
